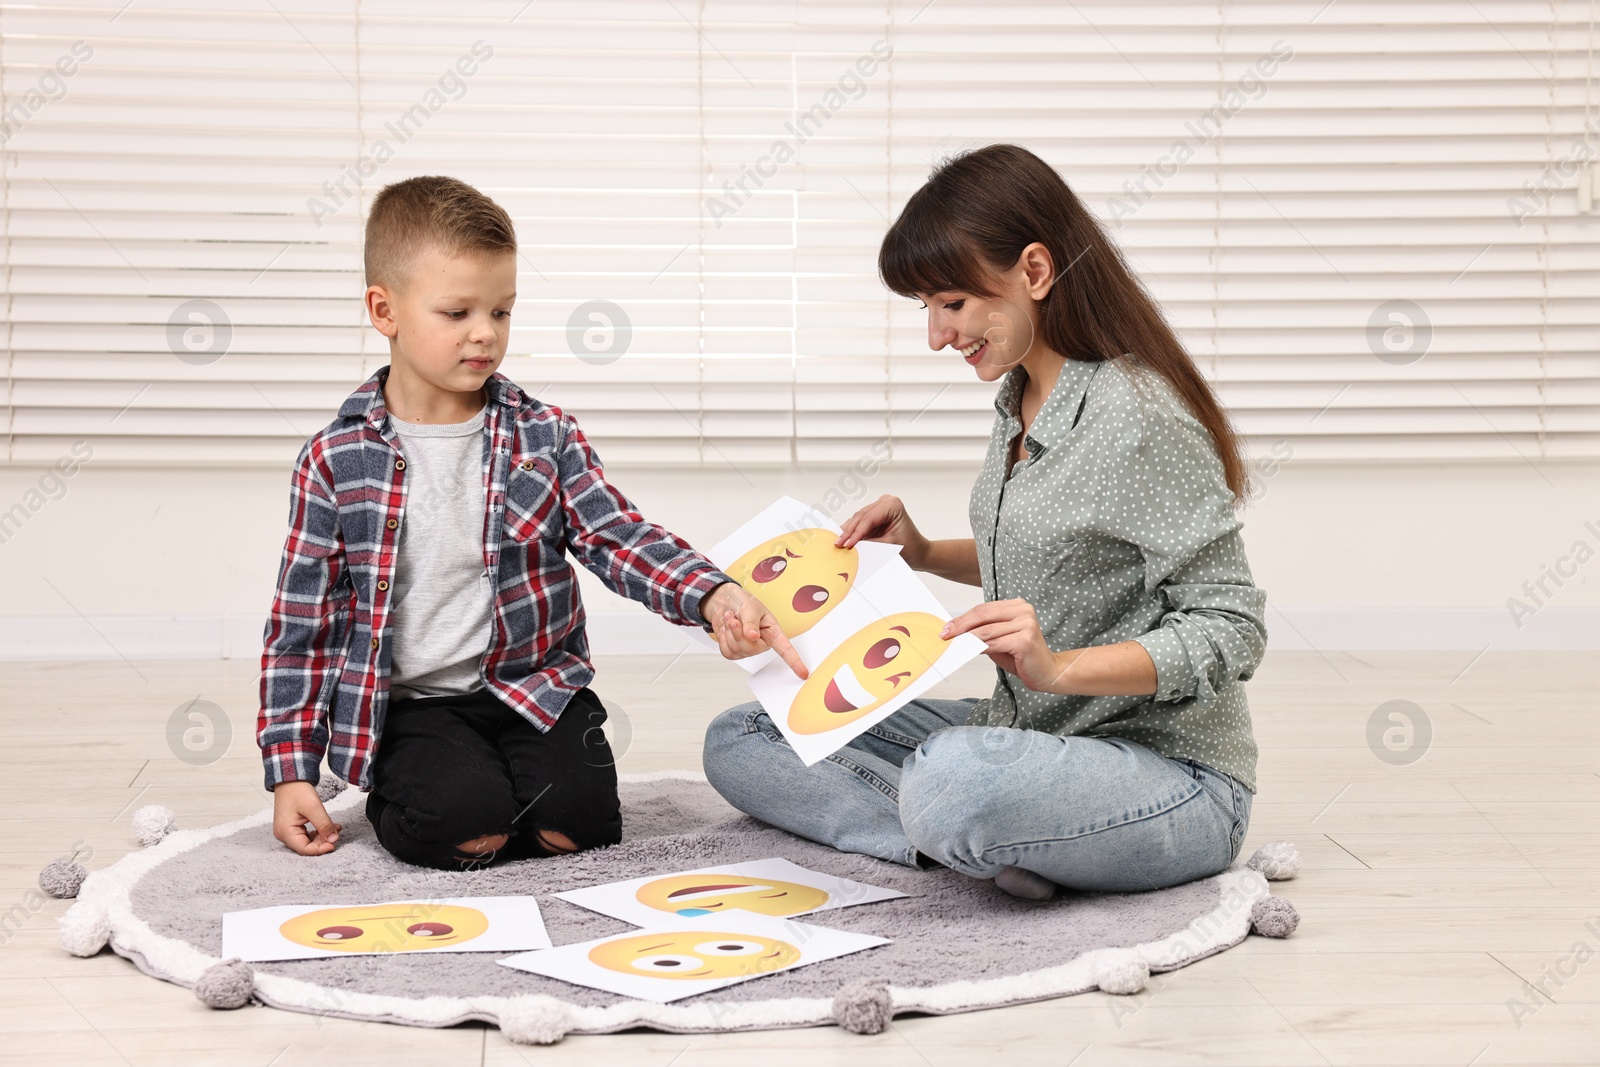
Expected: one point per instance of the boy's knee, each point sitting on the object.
(556, 842)
(480, 848)
(473, 827)
(596, 832)
(592, 819)
(459, 824)
(484, 816)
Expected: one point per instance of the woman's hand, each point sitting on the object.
(885, 519)
(744, 626)
(1010, 632)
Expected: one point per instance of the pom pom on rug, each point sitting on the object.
(153, 822)
(84, 929)
(226, 985)
(1273, 917)
(328, 787)
(61, 878)
(535, 1020)
(863, 1007)
(1277, 861)
(1121, 971)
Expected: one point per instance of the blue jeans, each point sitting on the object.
(1088, 813)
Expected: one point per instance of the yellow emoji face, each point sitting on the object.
(867, 668)
(386, 927)
(799, 576)
(708, 894)
(694, 955)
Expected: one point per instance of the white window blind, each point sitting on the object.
(1383, 248)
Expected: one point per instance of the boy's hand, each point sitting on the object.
(293, 805)
(745, 627)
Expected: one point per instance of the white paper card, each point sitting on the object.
(773, 887)
(680, 959)
(785, 557)
(455, 924)
(878, 651)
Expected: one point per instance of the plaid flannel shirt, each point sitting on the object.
(325, 661)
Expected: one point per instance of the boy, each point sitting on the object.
(427, 633)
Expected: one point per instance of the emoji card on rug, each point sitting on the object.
(457, 924)
(878, 651)
(678, 960)
(786, 558)
(774, 887)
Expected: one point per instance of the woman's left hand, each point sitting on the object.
(1010, 631)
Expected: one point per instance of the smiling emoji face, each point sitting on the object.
(707, 894)
(799, 576)
(402, 927)
(867, 669)
(694, 955)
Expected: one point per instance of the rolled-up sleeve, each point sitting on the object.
(1163, 490)
(1213, 633)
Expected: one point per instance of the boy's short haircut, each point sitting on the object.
(418, 213)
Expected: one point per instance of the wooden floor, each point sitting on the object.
(1432, 893)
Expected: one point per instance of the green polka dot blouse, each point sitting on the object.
(1119, 526)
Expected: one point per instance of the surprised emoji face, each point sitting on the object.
(799, 577)
(866, 670)
(694, 955)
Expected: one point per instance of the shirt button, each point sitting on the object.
(399, 464)
(374, 642)
(392, 523)
(527, 464)
(382, 586)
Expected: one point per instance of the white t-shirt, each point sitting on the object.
(442, 608)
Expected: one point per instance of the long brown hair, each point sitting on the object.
(984, 207)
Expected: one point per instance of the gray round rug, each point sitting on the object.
(957, 944)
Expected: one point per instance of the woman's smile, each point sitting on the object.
(973, 353)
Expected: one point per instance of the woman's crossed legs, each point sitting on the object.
(1087, 813)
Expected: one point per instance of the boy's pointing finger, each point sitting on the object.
(780, 644)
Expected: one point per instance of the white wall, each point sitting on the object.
(151, 563)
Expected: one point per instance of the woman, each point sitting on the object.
(1115, 752)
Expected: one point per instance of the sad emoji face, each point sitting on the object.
(401, 927)
(707, 894)
(867, 669)
(799, 576)
(694, 955)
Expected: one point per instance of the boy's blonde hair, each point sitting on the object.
(418, 213)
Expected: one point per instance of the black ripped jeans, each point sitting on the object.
(452, 769)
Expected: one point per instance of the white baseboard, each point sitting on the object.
(238, 636)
